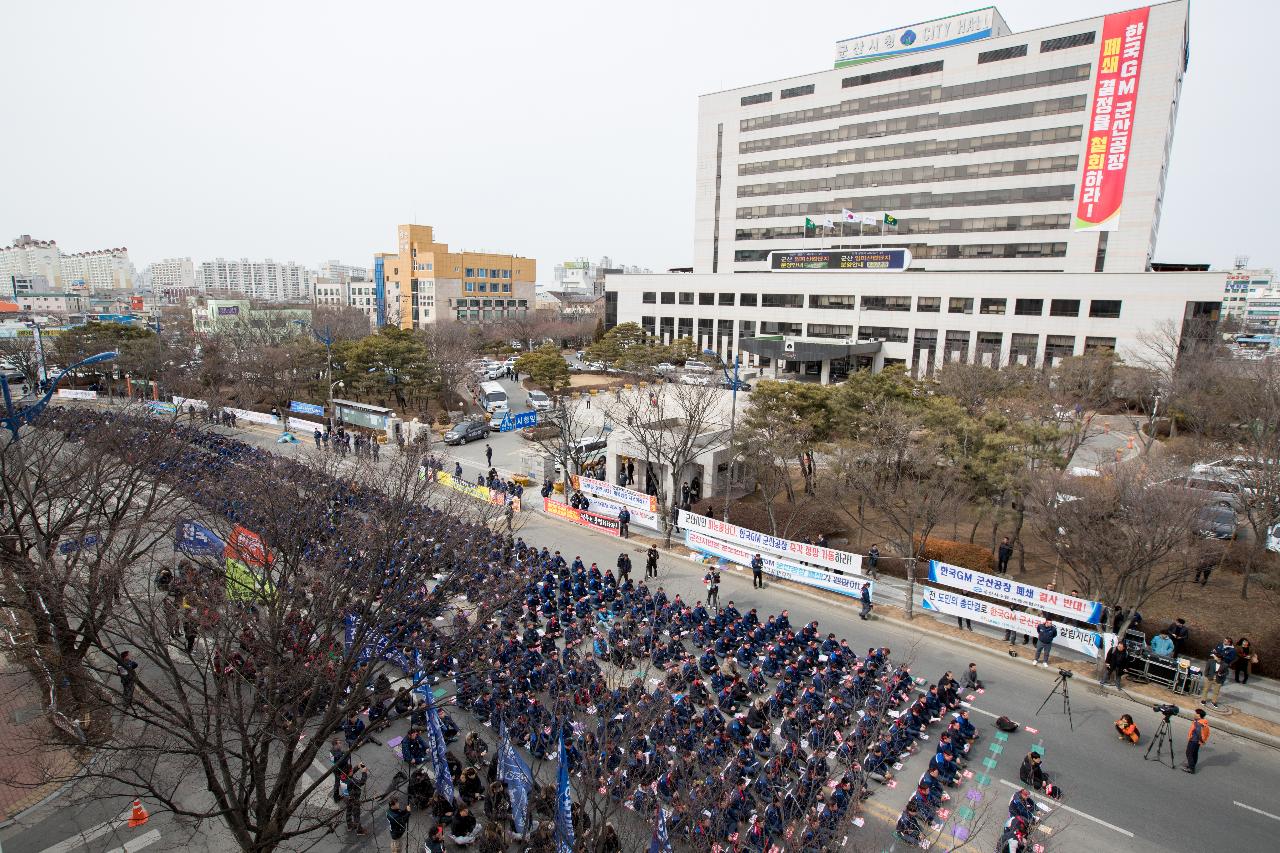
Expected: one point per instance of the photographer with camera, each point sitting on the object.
(1127, 729)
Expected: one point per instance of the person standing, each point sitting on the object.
(865, 595)
(873, 559)
(127, 669)
(757, 572)
(1178, 632)
(1246, 657)
(356, 781)
(488, 456)
(1046, 632)
(319, 437)
(713, 591)
(1222, 657)
(1197, 737)
(1117, 660)
(961, 623)
(651, 562)
(1003, 554)
(457, 471)
(624, 523)
(397, 823)
(340, 758)
(624, 567)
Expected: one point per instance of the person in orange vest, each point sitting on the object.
(1127, 729)
(1196, 738)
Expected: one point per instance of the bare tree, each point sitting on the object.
(1256, 470)
(562, 433)
(1116, 533)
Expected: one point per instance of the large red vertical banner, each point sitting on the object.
(1108, 143)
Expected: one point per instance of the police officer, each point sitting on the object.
(651, 562)
(757, 572)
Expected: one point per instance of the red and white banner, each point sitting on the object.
(603, 523)
(1109, 140)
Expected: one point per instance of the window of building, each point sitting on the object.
(725, 299)
(1028, 307)
(649, 297)
(1022, 349)
(705, 328)
(892, 74)
(781, 300)
(827, 330)
(1057, 347)
(747, 300)
(469, 286)
(1099, 343)
(841, 301)
(769, 327)
(797, 91)
(1107, 309)
(471, 272)
(706, 298)
(686, 298)
(506, 287)
(1064, 308)
(483, 287)
(495, 273)
(746, 329)
(751, 255)
(668, 297)
(648, 324)
(666, 327)
(761, 98)
(929, 304)
(892, 334)
(1064, 42)
(684, 327)
(957, 346)
(481, 272)
(886, 303)
(992, 306)
(1002, 54)
(960, 305)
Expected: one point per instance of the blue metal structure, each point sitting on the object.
(15, 418)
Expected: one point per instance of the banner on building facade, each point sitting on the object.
(850, 585)
(1073, 637)
(994, 586)
(816, 554)
(1109, 136)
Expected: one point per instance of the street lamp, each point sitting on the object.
(14, 420)
(733, 421)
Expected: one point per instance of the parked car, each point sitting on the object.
(539, 401)
(466, 432)
(696, 379)
(665, 367)
(595, 365)
(493, 372)
(1217, 521)
(697, 366)
(743, 385)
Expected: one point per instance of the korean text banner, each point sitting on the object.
(993, 586)
(618, 494)
(763, 542)
(639, 517)
(480, 493)
(603, 523)
(850, 585)
(1109, 140)
(997, 615)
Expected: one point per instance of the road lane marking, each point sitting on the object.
(1055, 805)
(1256, 811)
(83, 837)
(142, 841)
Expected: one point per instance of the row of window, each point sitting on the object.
(1098, 308)
(486, 303)
(915, 149)
(481, 272)
(485, 287)
(917, 123)
(1031, 222)
(913, 201)
(892, 74)
(474, 316)
(920, 97)
(914, 175)
(1023, 347)
(948, 251)
(1001, 54)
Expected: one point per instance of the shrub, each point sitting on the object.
(963, 554)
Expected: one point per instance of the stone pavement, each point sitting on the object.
(30, 769)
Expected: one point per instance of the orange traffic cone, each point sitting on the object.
(139, 815)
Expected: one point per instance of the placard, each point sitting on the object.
(763, 542)
(995, 586)
(595, 521)
(629, 498)
(850, 585)
(997, 615)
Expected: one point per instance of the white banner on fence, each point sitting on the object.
(183, 402)
(77, 394)
(641, 517)
(850, 585)
(763, 542)
(252, 416)
(993, 586)
(990, 613)
(629, 498)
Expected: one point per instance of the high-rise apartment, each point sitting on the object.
(170, 280)
(98, 271)
(269, 281)
(424, 283)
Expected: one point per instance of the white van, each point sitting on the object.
(494, 398)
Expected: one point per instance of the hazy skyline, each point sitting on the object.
(307, 131)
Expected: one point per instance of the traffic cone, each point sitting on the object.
(139, 815)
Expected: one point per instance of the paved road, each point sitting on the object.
(1114, 799)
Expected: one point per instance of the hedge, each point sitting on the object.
(963, 554)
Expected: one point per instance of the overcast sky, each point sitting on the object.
(307, 130)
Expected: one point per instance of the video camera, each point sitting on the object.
(1166, 709)
(1066, 673)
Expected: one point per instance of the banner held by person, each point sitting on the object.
(997, 615)
(993, 586)
(518, 776)
(564, 804)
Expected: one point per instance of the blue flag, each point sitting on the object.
(435, 738)
(661, 842)
(194, 538)
(564, 805)
(513, 770)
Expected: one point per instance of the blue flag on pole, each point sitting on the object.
(661, 838)
(513, 770)
(564, 805)
(435, 738)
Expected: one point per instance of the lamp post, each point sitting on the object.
(14, 419)
(733, 421)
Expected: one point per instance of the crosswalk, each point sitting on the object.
(80, 841)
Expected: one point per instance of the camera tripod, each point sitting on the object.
(1157, 743)
(1061, 683)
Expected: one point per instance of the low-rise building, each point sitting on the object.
(218, 315)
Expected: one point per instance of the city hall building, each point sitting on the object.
(950, 190)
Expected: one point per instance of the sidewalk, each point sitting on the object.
(30, 768)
